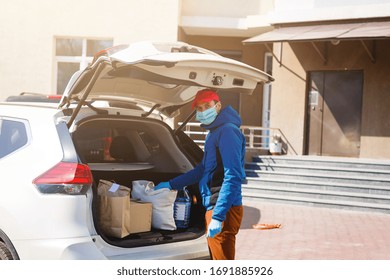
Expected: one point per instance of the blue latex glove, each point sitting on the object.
(214, 228)
(163, 185)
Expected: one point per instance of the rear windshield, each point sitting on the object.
(137, 141)
(108, 142)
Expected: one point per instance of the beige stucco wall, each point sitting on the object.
(252, 105)
(225, 8)
(288, 96)
(28, 29)
(375, 140)
(289, 90)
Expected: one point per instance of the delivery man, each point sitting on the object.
(219, 175)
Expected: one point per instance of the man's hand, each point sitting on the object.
(214, 228)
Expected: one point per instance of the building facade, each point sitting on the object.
(329, 58)
(45, 41)
(331, 95)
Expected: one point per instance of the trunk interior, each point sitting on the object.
(123, 149)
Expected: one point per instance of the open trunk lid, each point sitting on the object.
(161, 75)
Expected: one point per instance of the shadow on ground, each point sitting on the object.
(251, 216)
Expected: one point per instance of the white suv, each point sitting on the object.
(109, 125)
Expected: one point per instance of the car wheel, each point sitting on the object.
(5, 253)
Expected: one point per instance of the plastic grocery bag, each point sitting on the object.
(162, 203)
(114, 209)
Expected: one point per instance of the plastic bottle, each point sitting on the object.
(182, 208)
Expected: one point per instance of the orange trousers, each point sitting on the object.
(223, 245)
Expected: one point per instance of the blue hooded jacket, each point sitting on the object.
(219, 184)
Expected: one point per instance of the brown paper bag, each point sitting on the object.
(114, 209)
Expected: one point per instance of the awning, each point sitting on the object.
(367, 30)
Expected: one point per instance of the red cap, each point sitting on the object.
(205, 95)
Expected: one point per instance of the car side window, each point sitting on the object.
(13, 136)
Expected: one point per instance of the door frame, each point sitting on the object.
(323, 98)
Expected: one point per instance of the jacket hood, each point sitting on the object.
(226, 115)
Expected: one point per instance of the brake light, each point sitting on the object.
(108, 51)
(54, 97)
(65, 178)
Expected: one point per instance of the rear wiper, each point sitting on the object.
(97, 110)
(93, 108)
(150, 111)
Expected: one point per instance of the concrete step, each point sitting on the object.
(311, 201)
(317, 193)
(338, 162)
(314, 177)
(320, 185)
(355, 184)
(317, 169)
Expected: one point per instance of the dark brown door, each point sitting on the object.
(334, 113)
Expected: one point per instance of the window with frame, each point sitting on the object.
(73, 54)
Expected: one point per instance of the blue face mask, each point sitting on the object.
(207, 116)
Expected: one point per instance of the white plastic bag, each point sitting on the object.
(162, 201)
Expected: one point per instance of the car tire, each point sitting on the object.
(5, 253)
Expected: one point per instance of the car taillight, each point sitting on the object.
(54, 97)
(65, 178)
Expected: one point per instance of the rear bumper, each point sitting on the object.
(82, 248)
(183, 250)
